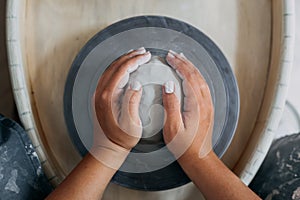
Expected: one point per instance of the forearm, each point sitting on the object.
(214, 179)
(87, 181)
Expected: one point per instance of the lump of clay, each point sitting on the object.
(152, 76)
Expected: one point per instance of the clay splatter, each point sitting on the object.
(279, 176)
(296, 194)
(11, 184)
(1, 175)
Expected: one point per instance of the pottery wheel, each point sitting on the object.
(143, 168)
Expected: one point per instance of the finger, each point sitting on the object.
(190, 104)
(188, 72)
(116, 64)
(178, 56)
(190, 96)
(120, 77)
(179, 63)
(130, 120)
(184, 68)
(173, 119)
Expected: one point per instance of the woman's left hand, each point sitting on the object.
(120, 125)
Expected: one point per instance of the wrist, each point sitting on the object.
(108, 156)
(196, 167)
(190, 157)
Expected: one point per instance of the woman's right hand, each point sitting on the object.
(188, 135)
(188, 131)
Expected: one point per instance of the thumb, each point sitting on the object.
(173, 118)
(130, 108)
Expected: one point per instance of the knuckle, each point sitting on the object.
(171, 130)
(190, 76)
(130, 62)
(171, 106)
(174, 128)
(133, 99)
(105, 95)
(178, 62)
(132, 102)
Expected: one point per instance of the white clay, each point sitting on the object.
(153, 75)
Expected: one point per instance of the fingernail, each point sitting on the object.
(170, 55)
(169, 87)
(145, 58)
(135, 85)
(131, 50)
(141, 49)
(173, 52)
(182, 55)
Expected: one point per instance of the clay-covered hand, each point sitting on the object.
(188, 130)
(116, 107)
